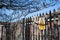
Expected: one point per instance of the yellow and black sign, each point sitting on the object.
(41, 24)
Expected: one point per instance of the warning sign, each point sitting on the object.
(41, 24)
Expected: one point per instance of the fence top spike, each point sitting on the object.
(40, 14)
(23, 18)
(43, 14)
(54, 10)
(50, 12)
(46, 14)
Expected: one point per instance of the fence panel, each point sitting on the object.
(40, 27)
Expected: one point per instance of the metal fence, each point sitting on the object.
(28, 28)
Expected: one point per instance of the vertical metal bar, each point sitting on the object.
(50, 26)
(36, 28)
(44, 25)
(30, 28)
(48, 34)
(27, 31)
(57, 28)
(33, 30)
(23, 30)
(8, 35)
(46, 30)
(54, 27)
(54, 16)
(3, 36)
(58, 31)
(6, 30)
(40, 31)
(59, 25)
(2, 33)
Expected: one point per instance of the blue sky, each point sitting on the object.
(9, 11)
(45, 10)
